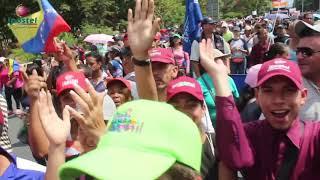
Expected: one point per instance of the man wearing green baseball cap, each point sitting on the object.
(145, 140)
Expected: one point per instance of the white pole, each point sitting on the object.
(302, 5)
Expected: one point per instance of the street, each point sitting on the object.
(20, 149)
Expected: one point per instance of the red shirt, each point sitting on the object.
(257, 54)
(257, 149)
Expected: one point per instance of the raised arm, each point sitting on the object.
(65, 55)
(57, 131)
(141, 31)
(38, 140)
(232, 143)
(90, 119)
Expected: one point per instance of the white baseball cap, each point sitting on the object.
(304, 29)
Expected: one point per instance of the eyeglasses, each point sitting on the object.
(305, 51)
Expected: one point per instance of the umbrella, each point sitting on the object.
(99, 38)
(277, 16)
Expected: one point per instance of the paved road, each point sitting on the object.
(20, 149)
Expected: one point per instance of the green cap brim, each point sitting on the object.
(117, 163)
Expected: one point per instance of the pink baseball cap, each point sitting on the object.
(67, 80)
(157, 36)
(252, 76)
(280, 67)
(184, 84)
(162, 55)
(122, 80)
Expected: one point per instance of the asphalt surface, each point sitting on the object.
(19, 148)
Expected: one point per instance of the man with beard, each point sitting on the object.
(164, 69)
(95, 63)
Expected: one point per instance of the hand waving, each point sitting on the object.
(142, 28)
(64, 53)
(57, 130)
(92, 125)
(209, 61)
(34, 83)
(215, 68)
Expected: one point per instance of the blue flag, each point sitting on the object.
(192, 26)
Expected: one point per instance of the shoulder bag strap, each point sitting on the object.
(207, 84)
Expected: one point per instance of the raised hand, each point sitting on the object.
(63, 53)
(215, 67)
(34, 83)
(209, 61)
(57, 130)
(142, 28)
(91, 121)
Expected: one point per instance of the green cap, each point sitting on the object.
(144, 139)
(177, 36)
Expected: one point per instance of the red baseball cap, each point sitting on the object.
(162, 55)
(122, 80)
(184, 84)
(67, 80)
(157, 36)
(280, 67)
(125, 37)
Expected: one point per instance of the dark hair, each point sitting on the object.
(126, 52)
(276, 49)
(31, 67)
(87, 71)
(306, 14)
(180, 171)
(173, 39)
(126, 91)
(98, 57)
(246, 94)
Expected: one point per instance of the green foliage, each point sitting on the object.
(242, 8)
(110, 16)
(171, 12)
(96, 29)
(68, 38)
(22, 56)
(307, 5)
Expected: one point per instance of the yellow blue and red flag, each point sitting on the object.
(35, 32)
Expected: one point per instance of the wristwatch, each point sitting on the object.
(136, 62)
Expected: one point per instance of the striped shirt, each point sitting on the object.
(5, 142)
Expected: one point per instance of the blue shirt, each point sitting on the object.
(117, 68)
(23, 170)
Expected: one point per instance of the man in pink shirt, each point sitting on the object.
(278, 147)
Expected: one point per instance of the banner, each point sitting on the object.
(282, 3)
(36, 32)
(192, 22)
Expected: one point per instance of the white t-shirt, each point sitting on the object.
(237, 44)
(195, 52)
(109, 108)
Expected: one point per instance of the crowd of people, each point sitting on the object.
(146, 109)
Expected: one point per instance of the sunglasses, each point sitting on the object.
(306, 52)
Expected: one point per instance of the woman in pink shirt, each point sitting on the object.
(182, 58)
(13, 84)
